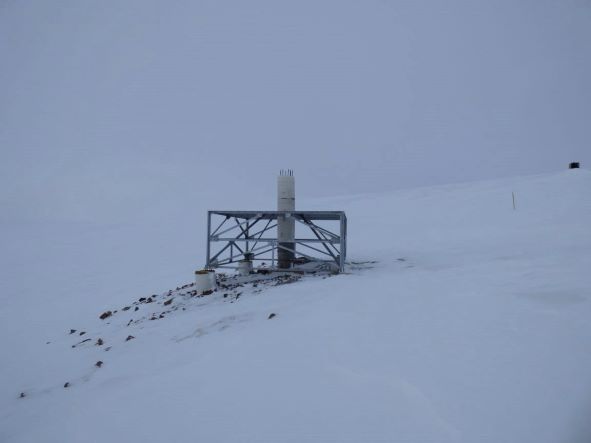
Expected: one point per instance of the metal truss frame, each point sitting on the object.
(236, 232)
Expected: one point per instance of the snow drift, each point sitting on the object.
(472, 325)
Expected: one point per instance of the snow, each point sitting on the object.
(472, 325)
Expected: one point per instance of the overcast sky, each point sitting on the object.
(116, 106)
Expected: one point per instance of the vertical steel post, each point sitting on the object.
(343, 245)
(344, 234)
(246, 236)
(207, 264)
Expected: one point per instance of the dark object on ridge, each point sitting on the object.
(574, 165)
(72, 331)
(126, 308)
(22, 395)
(167, 302)
(99, 342)
(83, 332)
(129, 337)
(136, 308)
(271, 315)
(106, 314)
(98, 364)
(67, 384)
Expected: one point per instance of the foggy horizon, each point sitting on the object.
(107, 106)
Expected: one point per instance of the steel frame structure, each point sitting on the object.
(237, 237)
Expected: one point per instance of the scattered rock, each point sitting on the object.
(108, 348)
(83, 332)
(143, 299)
(129, 322)
(129, 337)
(106, 314)
(67, 384)
(80, 342)
(72, 331)
(225, 295)
(137, 308)
(98, 364)
(99, 342)
(207, 292)
(169, 301)
(149, 300)
(271, 315)
(161, 316)
(127, 308)
(22, 395)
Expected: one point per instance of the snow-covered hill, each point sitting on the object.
(472, 326)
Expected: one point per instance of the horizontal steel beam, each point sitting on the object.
(309, 215)
(273, 240)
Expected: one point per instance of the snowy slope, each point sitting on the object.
(472, 326)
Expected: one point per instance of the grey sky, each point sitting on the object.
(108, 107)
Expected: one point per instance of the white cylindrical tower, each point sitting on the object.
(285, 223)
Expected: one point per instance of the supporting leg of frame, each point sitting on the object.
(343, 244)
(208, 244)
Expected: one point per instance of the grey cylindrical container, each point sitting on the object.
(285, 223)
